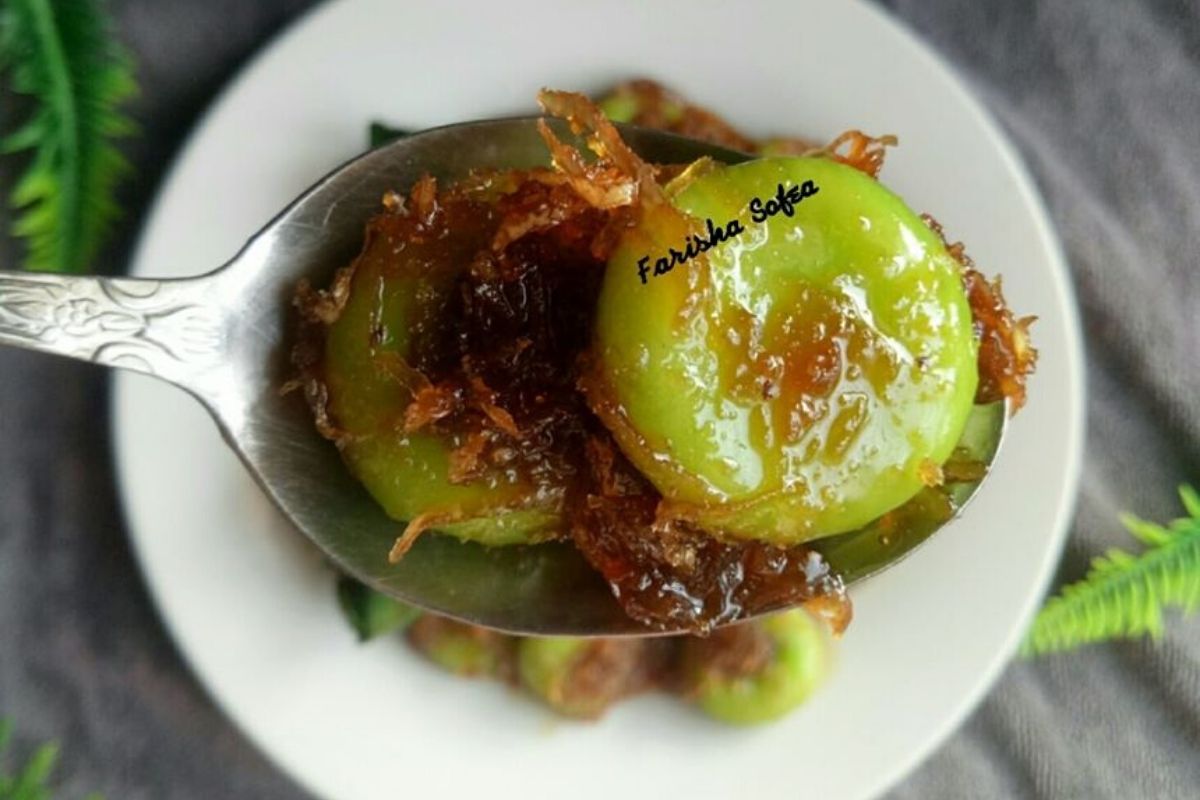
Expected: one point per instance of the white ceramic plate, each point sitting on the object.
(250, 604)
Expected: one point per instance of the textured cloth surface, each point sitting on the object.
(1103, 100)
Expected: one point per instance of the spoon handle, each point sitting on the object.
(166, 328)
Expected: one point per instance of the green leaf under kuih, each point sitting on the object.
(381, 133)
(370, 613)
(61, 54)
(1124, 596)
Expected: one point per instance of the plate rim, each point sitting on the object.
(1077, 380)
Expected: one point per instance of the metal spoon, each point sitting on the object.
(224, 338)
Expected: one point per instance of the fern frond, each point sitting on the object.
(1124, 596)
(32, 781)
(61, 54)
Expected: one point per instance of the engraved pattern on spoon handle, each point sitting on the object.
(157, 327)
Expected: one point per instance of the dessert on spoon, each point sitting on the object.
(533, 437)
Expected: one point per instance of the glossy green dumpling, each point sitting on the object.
(545, 666)
(799, 663)
(462, 649)
(803, 376)
(392, 301)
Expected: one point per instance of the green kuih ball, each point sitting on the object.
(462, 649)
(799, 664)
(800, 377)
(548, 668)
(407, 473)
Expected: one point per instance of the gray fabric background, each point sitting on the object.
(1103, 99)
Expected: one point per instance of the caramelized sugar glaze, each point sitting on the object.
(504, 270)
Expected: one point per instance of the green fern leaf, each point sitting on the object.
(1124, 596)
(31, 782)
(61, 54)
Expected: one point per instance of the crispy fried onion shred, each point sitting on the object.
(547, 199)
(318, 309)
(602, 138)
(324, 306)
(652, 105)
(856, 149)
(670, 574)
(1007, 356)
(415, 528)
(616, 181)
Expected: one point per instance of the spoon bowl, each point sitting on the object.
(225, 336)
